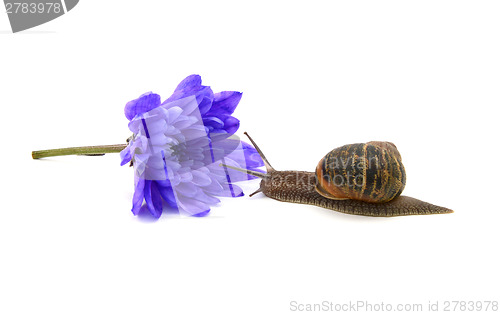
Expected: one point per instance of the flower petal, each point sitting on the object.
(138, 196)
(190, 83)
(231, 124)
(185, 176)
(186, 123)
(202, 214)
(154, 125)
(191, 206)
(225, 103)
(168, 195)
(215, 188)
(207, 199)
(200, 178)
(173, 113)
(191, 86)
(186, 189)
(143, 104)
(205, 103)
(188, 104)
(125, 156)
(153, 198)
(230, 190)
(213, 123)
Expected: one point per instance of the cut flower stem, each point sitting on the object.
(89, 150)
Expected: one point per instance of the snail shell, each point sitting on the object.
(370, 172)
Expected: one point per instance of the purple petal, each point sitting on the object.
(138, 196)
(207, 199)
(202, 214)
(153, 198)
(222, 148)
(235, 190)
(190, 83)
(143, 104)
(191, 86)
(231, 124)
(186, 189)
(205, 97)
(213, 122)
(225, 103)
(153, 125)
(192, 207)
(200, 178)
(215, 188)
(156, 196)
(167, 194)
(173, 114)
(188, 104)
(205, 104)
(125, 156)
(230, 190)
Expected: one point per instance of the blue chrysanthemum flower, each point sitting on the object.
(178, 145)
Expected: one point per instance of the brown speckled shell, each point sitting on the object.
(370, 172)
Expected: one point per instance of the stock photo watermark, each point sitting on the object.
(380, 306)
(24, 15)
(346, 172)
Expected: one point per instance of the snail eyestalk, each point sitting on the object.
(88, 150)
(269, 168)
(255, 192)
(249, 172)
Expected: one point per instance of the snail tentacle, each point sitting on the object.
(268, 166)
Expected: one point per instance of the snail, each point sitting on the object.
(363, 179)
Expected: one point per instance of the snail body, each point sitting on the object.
(363, 179)
(300, 187)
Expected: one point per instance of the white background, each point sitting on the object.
(315, 75)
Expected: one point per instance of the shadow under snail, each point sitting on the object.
(361, 178)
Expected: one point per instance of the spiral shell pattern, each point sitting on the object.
(370, 172)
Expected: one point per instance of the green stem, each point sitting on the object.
(92, 150)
